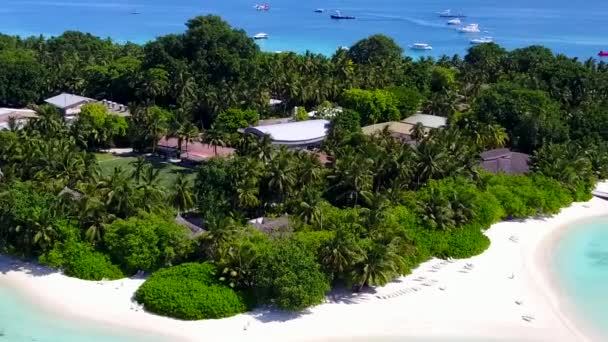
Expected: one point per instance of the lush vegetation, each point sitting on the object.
(379, 208)
(189, 292)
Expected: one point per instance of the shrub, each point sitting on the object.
(146, 243)
(189, 292)
(232, 119)
(301, 114)
(80, 260)
(466, 242)
(290, 277)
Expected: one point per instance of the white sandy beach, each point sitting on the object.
(474, 304)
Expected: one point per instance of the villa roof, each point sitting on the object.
(293, 133)
(7, 113)
(65, 100)
(429, 121)
(503, 160)
(270, 225)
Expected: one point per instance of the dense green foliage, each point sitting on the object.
(189, 292)
(146, 243)
(374, 106)
(80, 260)
(291, 278)
(375, 209)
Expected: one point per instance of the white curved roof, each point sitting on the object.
(292, 133)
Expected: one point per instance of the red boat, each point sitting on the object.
(603, 54)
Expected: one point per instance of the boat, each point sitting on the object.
(261, 35)
(455, 22)
(262, 7)
(338, 15)
(319, 10)
(603, 54)
(449, 14)
(482, 40)
(471, 28)
(421, 46)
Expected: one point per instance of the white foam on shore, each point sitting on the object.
(484, 297)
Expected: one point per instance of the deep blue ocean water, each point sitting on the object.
(576, 28)
(22, 320)
(581, 264)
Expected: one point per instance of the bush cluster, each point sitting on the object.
(80, 260)
(190, 292)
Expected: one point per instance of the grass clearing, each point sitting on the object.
(168, 172)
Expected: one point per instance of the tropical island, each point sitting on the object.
(416, 160)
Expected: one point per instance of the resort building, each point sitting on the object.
(301, 134)
(270, 225)
(21, 116)
(427, 120)
(399, 130)
(503, 160)
(70, 105)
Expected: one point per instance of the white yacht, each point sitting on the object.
(421, 46)
(482, 40)
(471, 28)
(261, 35)
(455, 22)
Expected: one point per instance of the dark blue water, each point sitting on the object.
(581, 262)
(576, 28)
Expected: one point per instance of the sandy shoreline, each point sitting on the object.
(454, 301)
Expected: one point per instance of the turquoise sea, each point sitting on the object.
(22, 320)
(576, 28)
(581, 265)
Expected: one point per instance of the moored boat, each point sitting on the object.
(261, 35)
(482, 40)
(263, 7)
(319, 10)
(421, 46)
(471, 28)
(603, 54)
(339, 15)
(455, 22)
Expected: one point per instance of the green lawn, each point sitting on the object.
(168, 171)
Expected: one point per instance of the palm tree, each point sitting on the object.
(214, 138)
(182, 196)
(280, 174)
(418, 131)
(189, 132)
(494, 136)
(380, 264)
(352, 178)
(138, 165)
(13, 125)
(220, 231)
(341, 253)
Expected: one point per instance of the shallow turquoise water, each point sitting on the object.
(581, 264)
(21, 320)
(576, 28)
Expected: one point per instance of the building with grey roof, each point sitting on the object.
(427, 120)
(69, 104)
(503, 160)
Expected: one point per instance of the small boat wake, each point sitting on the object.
(387, 17)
